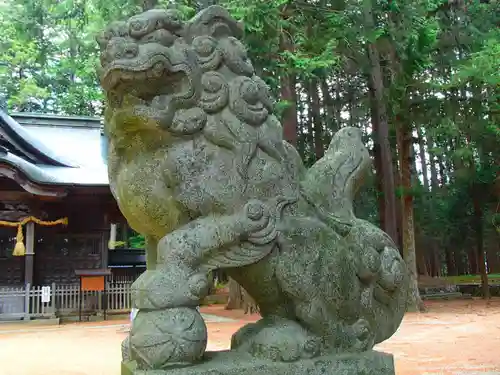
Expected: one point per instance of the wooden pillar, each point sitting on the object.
(30, 253)
(112, 237)
(106, 241)
(124, 231)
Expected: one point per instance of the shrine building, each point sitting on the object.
(57, 214)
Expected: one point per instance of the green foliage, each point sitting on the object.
(439, 62)
(49, 54)
(116, 244)
(473, 279)
(220, 285)
(483, 67)
(137, 242)
(27, 90)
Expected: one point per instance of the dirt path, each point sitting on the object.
(453, 338)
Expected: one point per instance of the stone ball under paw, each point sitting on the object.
(170, 337)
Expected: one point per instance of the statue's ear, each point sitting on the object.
(213, 21)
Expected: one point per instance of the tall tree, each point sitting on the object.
(413, 75)
(384, 165)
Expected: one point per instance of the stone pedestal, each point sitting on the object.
(233, 363)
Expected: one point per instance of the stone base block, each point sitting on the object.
(234, 363)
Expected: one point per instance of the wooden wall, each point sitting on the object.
(11, 268)
(59, 250)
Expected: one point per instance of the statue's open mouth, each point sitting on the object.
(147, 79)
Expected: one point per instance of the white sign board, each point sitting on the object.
(46, 294)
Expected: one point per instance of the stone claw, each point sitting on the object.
(364, 338)
(162, 288)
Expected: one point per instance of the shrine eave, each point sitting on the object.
(28, 144)
(26, 174)
(44, 151)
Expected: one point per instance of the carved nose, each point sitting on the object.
(130, 51)
(118, 51)
(123, 51)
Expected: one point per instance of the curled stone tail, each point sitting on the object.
(332, 182)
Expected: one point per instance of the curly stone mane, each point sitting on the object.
(192, 79)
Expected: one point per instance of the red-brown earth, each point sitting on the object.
(451, 338)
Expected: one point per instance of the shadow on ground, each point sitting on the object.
(451, 338)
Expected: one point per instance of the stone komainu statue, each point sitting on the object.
(198, 164)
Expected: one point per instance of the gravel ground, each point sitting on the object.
(452, 338)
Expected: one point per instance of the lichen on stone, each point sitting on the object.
(198, 164)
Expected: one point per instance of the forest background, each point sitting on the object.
(421, 78)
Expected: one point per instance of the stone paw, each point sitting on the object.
(244, 334)
(169, 287)
(277, 340)
(363, 337)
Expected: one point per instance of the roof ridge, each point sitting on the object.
(28, 144)
(42, 119)
(53, 115)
